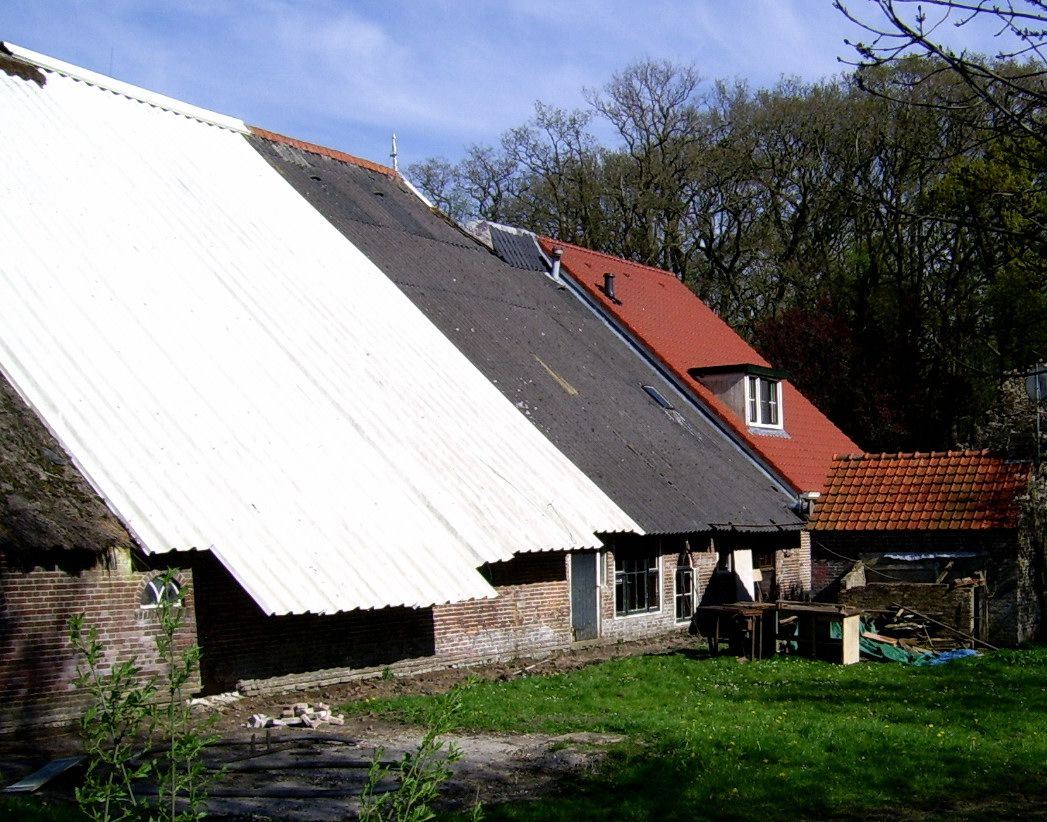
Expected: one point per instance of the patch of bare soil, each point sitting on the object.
(233, 715)
(292, 773)
(317, 774)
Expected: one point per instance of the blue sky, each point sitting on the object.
(441, 73)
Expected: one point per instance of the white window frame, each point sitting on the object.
(687, 569)
(752, 403)
(158, 595)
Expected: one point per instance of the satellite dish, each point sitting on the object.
(1036, 385)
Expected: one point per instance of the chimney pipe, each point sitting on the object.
(555, 271)
(807, 501)
(608, 287)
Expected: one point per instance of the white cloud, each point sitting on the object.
(442, 73)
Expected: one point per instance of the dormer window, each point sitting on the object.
(763, 401)
(753, 392)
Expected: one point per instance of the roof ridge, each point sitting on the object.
(614, 257)
(956, 452)
(128, 90)
(323, 151)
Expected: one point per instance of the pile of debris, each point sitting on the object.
(215, 702)
(910, 636)
(299, 715)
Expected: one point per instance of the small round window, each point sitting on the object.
(156, 592)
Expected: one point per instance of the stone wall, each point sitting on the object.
(240, 642)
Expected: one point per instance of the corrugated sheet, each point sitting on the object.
(231, 374)
(580, 384)
(517, 249)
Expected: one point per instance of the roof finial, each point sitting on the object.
(395, 155)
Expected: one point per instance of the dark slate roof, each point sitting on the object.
(518, 250)
(561, 365)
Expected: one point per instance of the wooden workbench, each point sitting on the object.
(757, 629)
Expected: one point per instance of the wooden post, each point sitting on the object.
(850, 633)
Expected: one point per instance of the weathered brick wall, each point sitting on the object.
(652, 623)
(793, 568)
(953, 606)
(704, 564)
(37, 664)
(532, 612)
(239, 642)
(832, 556)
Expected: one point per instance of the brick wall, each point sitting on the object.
(953, 606)
(793, 568)
(531, 613)
(37, 664)
(239, 642)
(669, 550)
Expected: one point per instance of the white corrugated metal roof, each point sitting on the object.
(232, 374)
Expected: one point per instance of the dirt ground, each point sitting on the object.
(317, 774)
(441, 681)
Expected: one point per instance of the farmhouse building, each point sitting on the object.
(940, 532)
(699, 499)
(247, 397)
(359, 437)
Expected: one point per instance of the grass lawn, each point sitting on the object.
(781, 738)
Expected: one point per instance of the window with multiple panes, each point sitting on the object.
(156, 592)
(684, 592)
(636, 585)
(763, 400)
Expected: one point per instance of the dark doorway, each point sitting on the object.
(584, 596)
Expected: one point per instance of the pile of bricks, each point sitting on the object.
(299, 715)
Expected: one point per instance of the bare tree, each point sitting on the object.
(1010, 84)
(438, 179)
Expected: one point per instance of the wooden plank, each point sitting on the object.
(850, 633)
(946, 627)
(38, 779)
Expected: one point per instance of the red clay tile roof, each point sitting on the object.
(678, 328)
(312, 148)
(916, 492)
